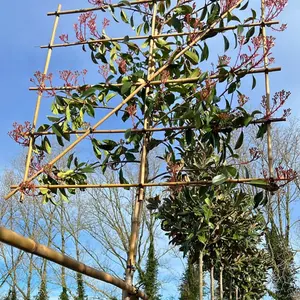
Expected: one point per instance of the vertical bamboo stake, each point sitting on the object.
(267, 89)
(39, 98)
(201, 275)
(221, 283)
(212, 283)
(140, 197)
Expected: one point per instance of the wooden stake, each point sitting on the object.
(173, 57)
(38, 102)
(156, 36)
(143, 174)
(267, 89)
(28, 245)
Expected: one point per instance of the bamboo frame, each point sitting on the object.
(158, 82)
(38, 102)
(142, 130)
(154, 36)
(30, 246)
(78, 11)
(173, 57)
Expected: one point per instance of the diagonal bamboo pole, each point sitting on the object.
(30, 246)
(158, 82)
(143, 174)
(103, 7)
(38, 102)
(176, 54)
(155, 36)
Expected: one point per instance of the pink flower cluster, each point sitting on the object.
(98, 3)
(40, 80)
(278, 101)
(21, 133)
(255, 58)
(227, 4)
(71, 78)
(274, 8)
(288, 174)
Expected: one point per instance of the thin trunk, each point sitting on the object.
(63, 246)
(236, 293)
(230, 290)
(221, 283)
(28, 293)
(201, 275)
(279, 214)
(212, 283)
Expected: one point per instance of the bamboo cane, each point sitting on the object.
(267, 89)
(201, 275)
(155, 36)
(28, 245)
(268, 93)
(148, 184)
(103, 7)
(158, 82)
(136, 130)
(143, 176)
(38, 102)
(173, 57)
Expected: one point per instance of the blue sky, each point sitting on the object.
(25, 27)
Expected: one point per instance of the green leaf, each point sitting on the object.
(258, 199)
(124, 16)
(70, 159)
(189, 136)
(253, 82)
(122, 179)
(192, 56)
(219, 179)
(57, 130)
(240, 141)
(47, 145)
(226, 43)
(126, 87)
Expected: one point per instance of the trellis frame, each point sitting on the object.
(28, 245)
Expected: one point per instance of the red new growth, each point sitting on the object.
(21, 133)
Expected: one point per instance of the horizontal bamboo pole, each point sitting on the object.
(105, 131)
(158, 82)
(30, 246)
(157, 36)
(134, 185)
(103, 7)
